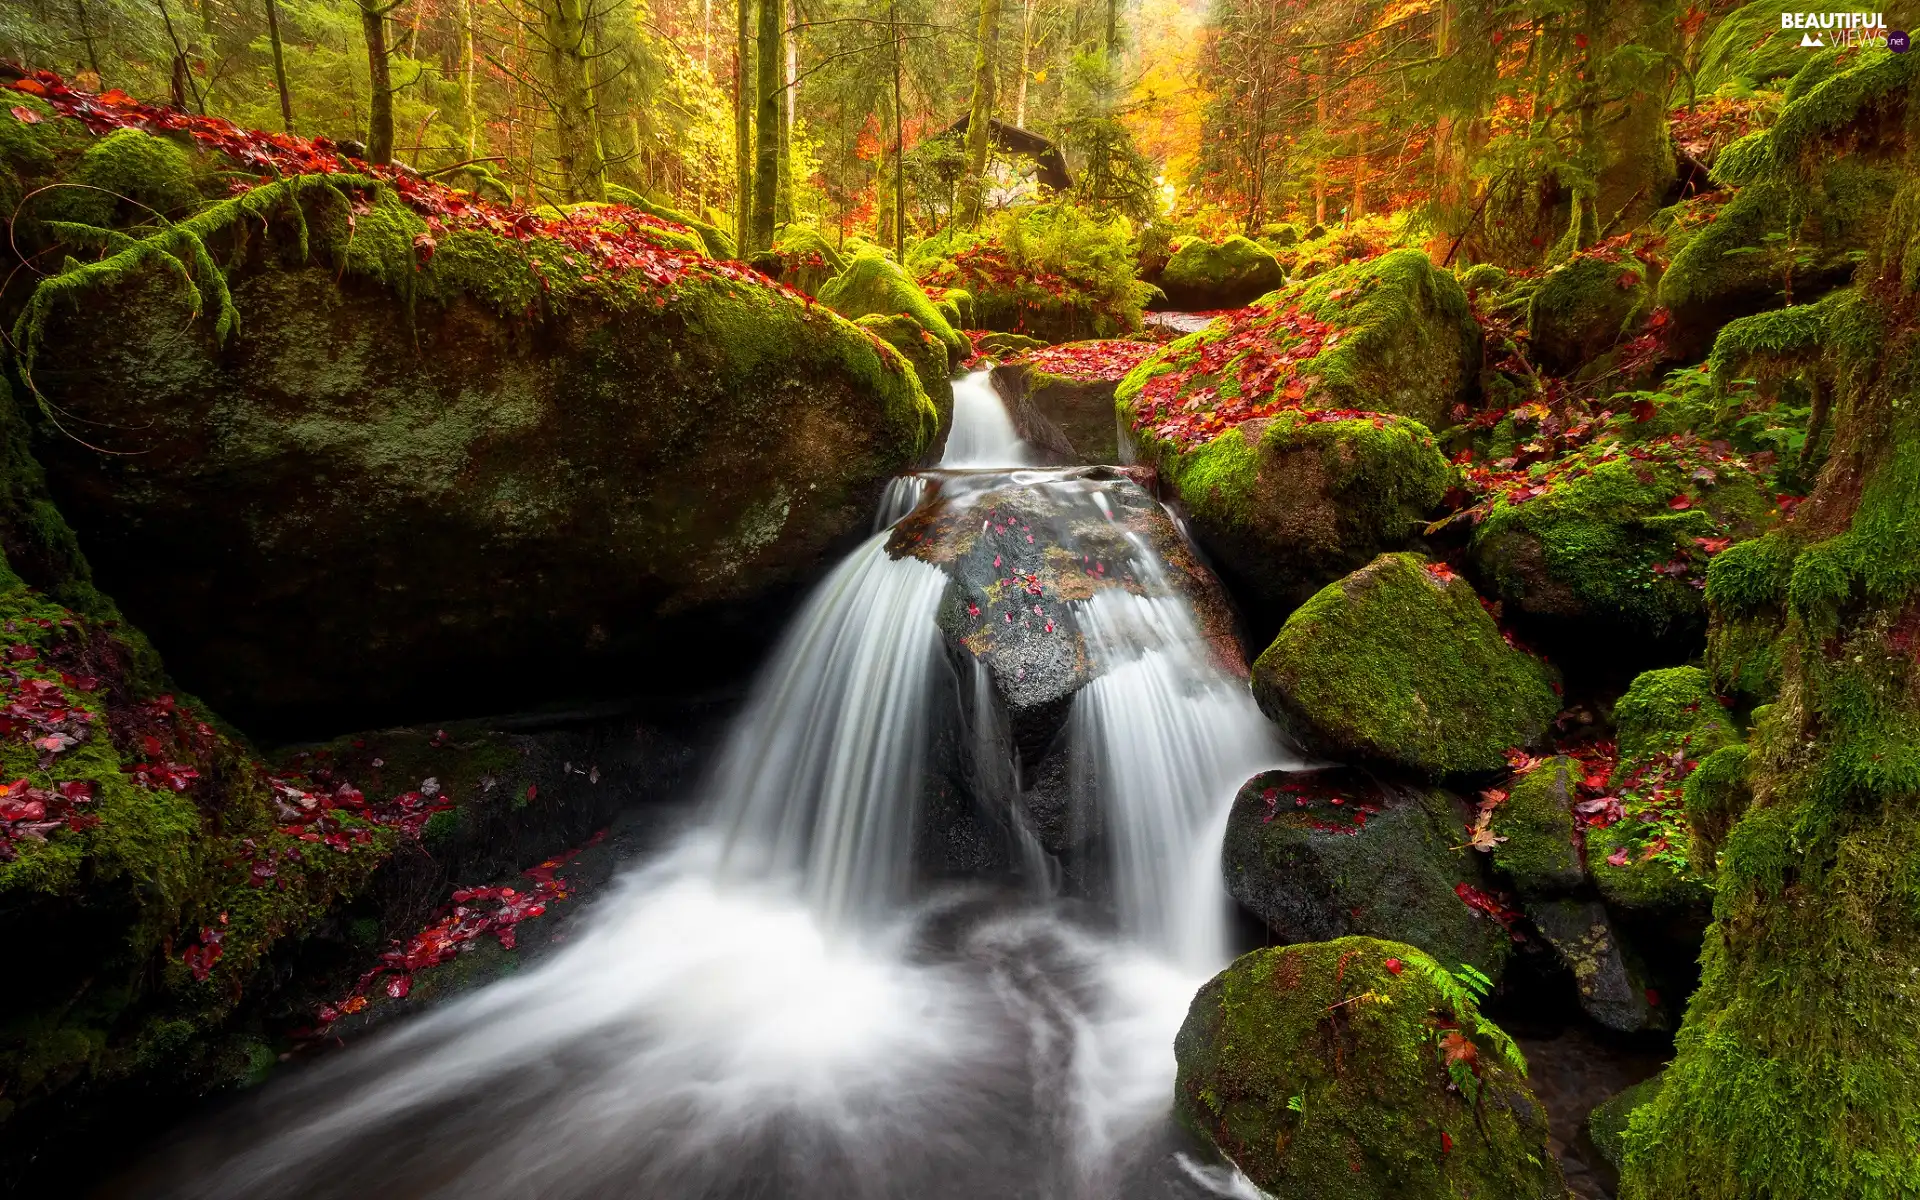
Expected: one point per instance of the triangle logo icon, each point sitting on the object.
(1809, 41)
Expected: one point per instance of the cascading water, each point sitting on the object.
(770, 1007)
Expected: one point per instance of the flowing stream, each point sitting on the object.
(776, 1006)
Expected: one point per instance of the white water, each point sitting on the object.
(983, 434)
(766, 1010)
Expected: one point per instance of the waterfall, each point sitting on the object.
(983, 434)
(769, 1006)
(818, 780)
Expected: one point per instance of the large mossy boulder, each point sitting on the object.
(1398, 663)
(402, 474)
(873, 284)
(1323, 854)
(1202, 275)
(924, 352)
(1391, 334)
(1584, 307)
(1360, 1069)
(1286, 504)
(1061, 397)
(1613, 544)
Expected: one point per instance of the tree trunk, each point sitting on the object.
(86, 36)
(279, 66)
(470, 113)
(789, 68)
(583, 167)
(771, 65)
(373, 23)
(980, 117)
(1113, 29)
(899, 141)
(1026, 63)
(742, 127)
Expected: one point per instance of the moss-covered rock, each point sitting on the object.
(492, 470)
(1388, 335)
(1607, 1124)
(924, 351)
(1668, 720)
(874, 284)
(1746, 597)
(1540, 850)
(713, 241)
(1324, 854)
(1399, 663)
(1613, 542)
(804, 259)
(1288, 503)
(1061, 398)
(1358, 1069)
(1204, 275)
(1717, 793)
(1585, 306)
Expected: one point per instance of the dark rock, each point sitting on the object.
(1611, 983)
(1324, 854)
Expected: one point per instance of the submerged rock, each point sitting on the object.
(1399, 663)
(1202, 275)
(478, 480)
(1324, 854)
(1360, 1069)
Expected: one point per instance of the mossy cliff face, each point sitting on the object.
(1323, 854)
(1798, 1066)
(1205, 275)
(483, 470)
(1399, 663)
(1358, 1069)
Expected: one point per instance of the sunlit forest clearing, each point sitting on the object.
(1099, 599)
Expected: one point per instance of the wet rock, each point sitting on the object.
(1399, 663)
(1071, 421)
(1322, 1070)
(1324, 854)
(1611, 984)
(1025, 552)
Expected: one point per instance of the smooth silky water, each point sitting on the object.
(771, 1008)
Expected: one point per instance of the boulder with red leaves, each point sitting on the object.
(502, 453)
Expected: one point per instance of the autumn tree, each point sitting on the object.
(980, 114)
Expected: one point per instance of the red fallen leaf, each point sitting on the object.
(1619, 857)
(151, 745)
(506, 936)
(20, 652)
(25, 115)
(1653, 998)
(399, 986)
(1441, 571)
(1395, 966)
(1680, 503)
(1642, 410)
(1713, 545)
(1446, 1142)
(115, 97)
(1459, 1049)
(533, 790)
(424, 246)
(31, 87)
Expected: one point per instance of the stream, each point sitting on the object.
(777, 1004)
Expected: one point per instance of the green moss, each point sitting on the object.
(1540, 854)
(1748, 48)
(1717, 793)
(1746, 599)
(1395, 663)
(921, 349)
(1483, 277)
(1589, 547)
(872, 284)
(1607, 1124)
(1668, 710)
(1209, 275)
(713, 241)
(1317, 1069)
(1584, 307)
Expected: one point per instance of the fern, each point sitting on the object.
(1461, 992)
